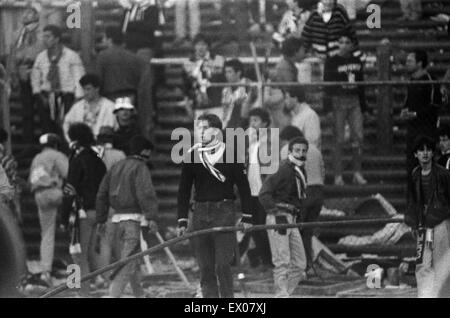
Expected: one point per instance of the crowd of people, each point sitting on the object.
(93, 168)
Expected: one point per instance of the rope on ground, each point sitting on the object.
(64, 287)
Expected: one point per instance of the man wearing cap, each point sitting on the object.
(93, 110)
(127, 127)
(47, 173)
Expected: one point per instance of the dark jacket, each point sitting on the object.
(207, 187)
(280, 187)
(119, 70)
(439, 208)
(123, 135)
(422, 99)
(141, 33)
(341, 69)
(86, 171)
(128, 189)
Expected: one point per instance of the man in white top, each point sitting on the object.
(259, 122)
(303, 116)
(93, 110)
(54, 80)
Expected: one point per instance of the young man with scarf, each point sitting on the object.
(205, 167)
(55, 80)
(428, 214)
(282, 195)
(128, 189)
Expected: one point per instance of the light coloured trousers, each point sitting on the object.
(193, 11)
(288, 257)
(128, 242)
(431, 274)
(47, 202)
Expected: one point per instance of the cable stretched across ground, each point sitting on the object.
(63, 287)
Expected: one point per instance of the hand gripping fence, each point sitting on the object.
(328, 224)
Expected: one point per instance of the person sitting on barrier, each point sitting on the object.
(444, 145)
(428, 214)
(236, 101)
(348, 105)
(213, 177)
(128, 189)
(281, 196)
(203, 68)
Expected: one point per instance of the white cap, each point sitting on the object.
(123, 103)
(48, 138)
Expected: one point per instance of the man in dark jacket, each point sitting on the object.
(420, 109)
(281, 196)
(207, 169)
(86, 171)
(128, 189)
(428, 214)
(125, 113)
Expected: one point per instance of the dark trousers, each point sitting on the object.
(52, 117)
(261, 253)
(312, 207)
(215, 251)
(27, 101)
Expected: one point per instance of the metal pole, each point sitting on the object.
(225, 229)
(174, 262)
(384, 99)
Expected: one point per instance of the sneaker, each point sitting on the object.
(338, 181)
(359, 179)
(47, 278)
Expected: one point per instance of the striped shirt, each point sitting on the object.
(323, 36)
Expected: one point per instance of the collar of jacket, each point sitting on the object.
(137, 157)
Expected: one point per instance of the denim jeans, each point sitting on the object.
(86, 259)
(288, 257)
(433, 266)
(347, 109)
(215, 251)
(127, 239)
